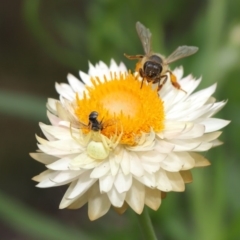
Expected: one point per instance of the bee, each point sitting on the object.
(153, 66)
(94, 124)
(98, 146)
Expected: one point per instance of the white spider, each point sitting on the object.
(98, 146)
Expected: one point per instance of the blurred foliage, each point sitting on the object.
(43, 40)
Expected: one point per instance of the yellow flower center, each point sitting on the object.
(122, 107)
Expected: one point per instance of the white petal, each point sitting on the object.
(151, 167)
(203, 94)
(136, 167)
(64, 176)
(43, 175)
(85, 78)
(146, 143)
(116, 198)
(100, 170)
(122, 67)
(196, 131)
(125, 163)
(172, 163)
(57, 132)
(83, 161)
(164, 146)
(195, 144)
(65, 201)
(148, 179)
(203, 147)
(114, 165)
(47, 181)
(182, 145)
(191, 114)
(55, 152)
(60, 165)
(123, 182)
(113, 66)
(189, 84)
(213, 124)
(47, 135)
(215, 107)
(98, 204)
(83, 184)
(172, 129)
(200, 161)
(68, 145)
(43, 181)
(153, 198)
(106, 183)
(76, 203)
(43, 158)
(178, 161)
(103, 66)
(135, 197)
(217, 143)
(187, 159)
(178, 72)
(176, 181)
(207, 137)
(76, 85)
(51, 105)
(54, 120)
(65, 90)
(163, 182)
(153, 156)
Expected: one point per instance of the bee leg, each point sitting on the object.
(142, 75)
(174, 81)
(164, 81)
(133, 56)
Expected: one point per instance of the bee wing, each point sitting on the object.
(145, 37)
(181, 52)
(82, 125)
(109, 123)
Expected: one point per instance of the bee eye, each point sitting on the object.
(160, 68)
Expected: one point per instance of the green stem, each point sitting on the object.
(146, 225)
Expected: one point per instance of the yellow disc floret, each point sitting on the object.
(123, 107)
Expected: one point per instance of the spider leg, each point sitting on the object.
(118, 139)
(76, 139)
(106, 142)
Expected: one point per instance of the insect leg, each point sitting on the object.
(163, 82)
(133, 56)
(142, 75)
(174, 81)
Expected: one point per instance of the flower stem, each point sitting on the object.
(146, 225)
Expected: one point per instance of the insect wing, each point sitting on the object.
(82, 125)
(145, 37)
(109, 123)
(181, 52)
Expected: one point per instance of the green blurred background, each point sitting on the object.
(42, 41)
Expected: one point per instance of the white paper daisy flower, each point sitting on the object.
(145, 146)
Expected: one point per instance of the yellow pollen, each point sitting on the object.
(122, 106)
(115, 103)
